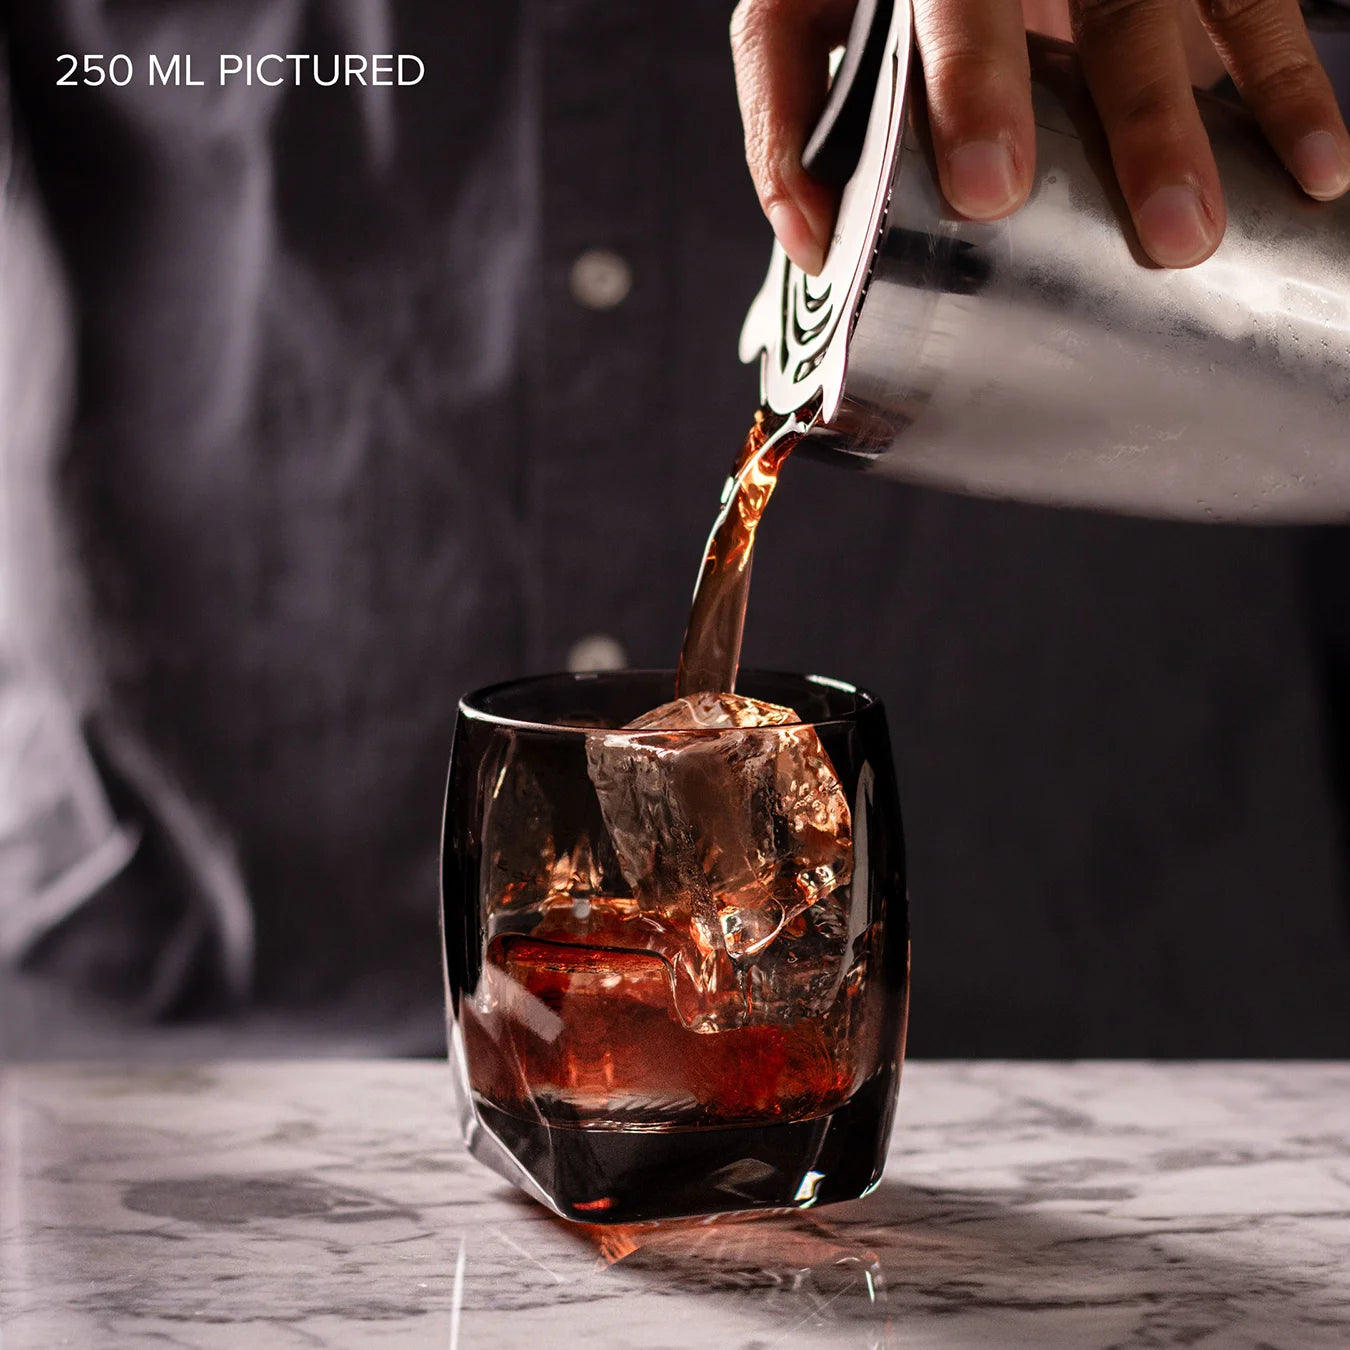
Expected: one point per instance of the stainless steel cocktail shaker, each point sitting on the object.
(1044, 357)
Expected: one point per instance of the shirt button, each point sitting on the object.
(596, 651)
(601, 279)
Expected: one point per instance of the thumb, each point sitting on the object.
(781, 53)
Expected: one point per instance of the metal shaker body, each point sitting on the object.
(1044, 358)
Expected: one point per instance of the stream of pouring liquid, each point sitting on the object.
(711, 653)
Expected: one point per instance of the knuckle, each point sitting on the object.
(969, 69)
(1222, 12)
(1150, 105)
(1149, 119)
(1293, 76)
(1091, 17)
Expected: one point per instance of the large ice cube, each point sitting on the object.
(732, 828)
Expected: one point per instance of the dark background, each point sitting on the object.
(315, 431)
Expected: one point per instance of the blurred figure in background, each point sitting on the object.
(324, 405)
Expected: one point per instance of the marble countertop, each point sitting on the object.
(330, 1204)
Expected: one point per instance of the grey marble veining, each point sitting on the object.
(329, 1204)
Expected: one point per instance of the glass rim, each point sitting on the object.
(867, 701)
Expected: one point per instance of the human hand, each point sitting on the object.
(979, 99)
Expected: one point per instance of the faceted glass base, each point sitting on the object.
(623, 1176)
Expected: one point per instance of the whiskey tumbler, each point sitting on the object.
(676, 956)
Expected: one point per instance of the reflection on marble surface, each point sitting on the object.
(328, 1204)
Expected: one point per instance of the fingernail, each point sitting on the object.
(1173, 227)
(792, 231)
(1320, 165)
(982, 179)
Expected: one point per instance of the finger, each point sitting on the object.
(1136, 68)
(1265, 45)
(974, 55)
(781, 53)
(1050, 17)
(1203, 64)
